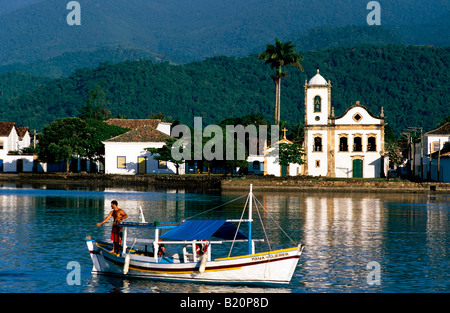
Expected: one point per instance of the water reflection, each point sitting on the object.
(406, 234)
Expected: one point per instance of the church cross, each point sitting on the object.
(284, 130)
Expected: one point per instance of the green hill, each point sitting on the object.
(186, 31)
(411, 83)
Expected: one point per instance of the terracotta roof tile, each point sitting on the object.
(144, 133)
(441, 130)
(133, 123)
(5, 128)
(22, 131)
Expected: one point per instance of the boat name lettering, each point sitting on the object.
(268, 257)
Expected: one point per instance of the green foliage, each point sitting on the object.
(62, 139)
(95, 105)
(165, 153)
(73, 136)
(409, 82)
(291, 153)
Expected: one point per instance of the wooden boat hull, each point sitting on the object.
(273, 267)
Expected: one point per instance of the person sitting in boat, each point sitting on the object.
(161, 250)
(201, 248)
(118, 215)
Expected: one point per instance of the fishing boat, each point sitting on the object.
(194, 242)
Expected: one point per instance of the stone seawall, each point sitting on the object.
(337, 186)
(269, 184)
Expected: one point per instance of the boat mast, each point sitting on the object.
(250, 208)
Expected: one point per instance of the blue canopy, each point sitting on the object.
(203, 230)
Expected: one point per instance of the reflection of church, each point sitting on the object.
(350, 145)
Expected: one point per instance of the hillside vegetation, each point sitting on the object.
(410, 82)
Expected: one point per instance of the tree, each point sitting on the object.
(72, 136)
(165, 153)
(277, 56)
(291, 153)
(62, 139)
(94, 107)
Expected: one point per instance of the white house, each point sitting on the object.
(434, 141)
(13, 139)
(126, 154)
(268, 164)
(350, 145)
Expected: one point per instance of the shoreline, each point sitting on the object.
(238, 183)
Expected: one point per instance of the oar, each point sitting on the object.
(126, 265)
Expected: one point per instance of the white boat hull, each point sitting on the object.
(273, 267)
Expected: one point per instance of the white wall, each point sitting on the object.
(131, 152)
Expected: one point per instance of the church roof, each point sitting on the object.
(317, 80)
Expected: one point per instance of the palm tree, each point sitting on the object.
(278, 55)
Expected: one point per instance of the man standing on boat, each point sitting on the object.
(118, 215)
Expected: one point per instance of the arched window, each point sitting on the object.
(343, 144)
(317, 104)
(317, 144)
(357, 144)
(371, 144)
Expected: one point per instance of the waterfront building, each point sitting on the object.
(350, 145)
(12, 139)
(431, 157)
(126, 154)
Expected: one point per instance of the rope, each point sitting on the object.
(276, 222)
(216, 207)
(260, 219)
(239, 225)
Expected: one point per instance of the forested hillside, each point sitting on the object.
(411, 83)
(186, 31)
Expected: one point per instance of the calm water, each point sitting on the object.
(43, 229)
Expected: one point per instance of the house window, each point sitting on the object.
(371, 144)
(343, 144)
(357, 144)
(435, 146)
(2, 145)
(317, 144)
(317, 104)
(121, 162)
(256, 165)
(162, 164)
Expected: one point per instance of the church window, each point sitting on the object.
(317, 104)
(317, 144)
(371, 144)
(317, 163)
(343, 144)
(357, 144)
(357, 117)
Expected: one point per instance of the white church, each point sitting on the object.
(350, 145)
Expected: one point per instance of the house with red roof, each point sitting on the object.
(126, 154)
(13, 139)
